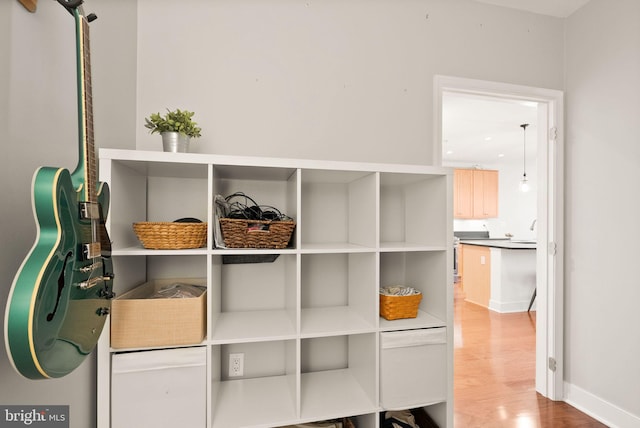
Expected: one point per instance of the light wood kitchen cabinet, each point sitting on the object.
(475, 193)
(485, 193)
(463, 193)
(477, 274)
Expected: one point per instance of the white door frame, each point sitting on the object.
(550, 215)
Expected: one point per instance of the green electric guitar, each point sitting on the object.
(62, 292)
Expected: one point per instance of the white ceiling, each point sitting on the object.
(558, 8)
(485, 131)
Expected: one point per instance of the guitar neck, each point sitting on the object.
(86, 172)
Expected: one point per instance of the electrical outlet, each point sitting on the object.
(236, 365)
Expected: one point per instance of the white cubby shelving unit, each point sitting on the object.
(307, 322)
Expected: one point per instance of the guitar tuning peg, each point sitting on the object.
(92, 17)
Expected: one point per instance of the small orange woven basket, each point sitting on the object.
(171, 235)
(240, 233)
(398, 307)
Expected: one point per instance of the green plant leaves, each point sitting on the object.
(173, 121)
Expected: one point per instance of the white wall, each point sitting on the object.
(602, 320)
(517, 209)
(330, 79)
(114, 64)
(5, 49)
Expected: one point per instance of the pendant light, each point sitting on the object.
(524, 183)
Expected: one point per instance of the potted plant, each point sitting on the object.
(176, 128)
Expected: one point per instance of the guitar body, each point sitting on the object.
(60, 297)
(61, 294)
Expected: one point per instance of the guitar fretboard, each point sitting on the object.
(89, 155)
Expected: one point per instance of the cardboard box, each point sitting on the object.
(138, 321)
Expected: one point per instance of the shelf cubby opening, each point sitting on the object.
(128, 203)
(437, 412)
(338, 373)
(411, 214)
(254, 301)
(266, 393)
(361, 421)
(176, 266)
(338, 293)
(132, 271)
(423, 416)
(154, 192)
(338, 209)
(366, 421)
(139, 327)
(424, 271)
(171, 198)
(273, 189)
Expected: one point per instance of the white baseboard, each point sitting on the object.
(509, 307)
(599, 409)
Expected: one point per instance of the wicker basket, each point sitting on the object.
(240, 233)
(398, 307)
(171, 235)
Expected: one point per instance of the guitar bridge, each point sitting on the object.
(89, 211)
(91, 251)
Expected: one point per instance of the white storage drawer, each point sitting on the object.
(163, 388)
(413, 368)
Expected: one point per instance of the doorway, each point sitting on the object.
(549, 216)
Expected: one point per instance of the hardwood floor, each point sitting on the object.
(494, 373)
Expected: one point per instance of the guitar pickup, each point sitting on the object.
(89, 211)
(92, 282)
(91, 251)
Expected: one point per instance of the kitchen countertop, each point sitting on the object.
(506, 244)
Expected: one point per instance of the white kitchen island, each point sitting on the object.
(512, 274)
